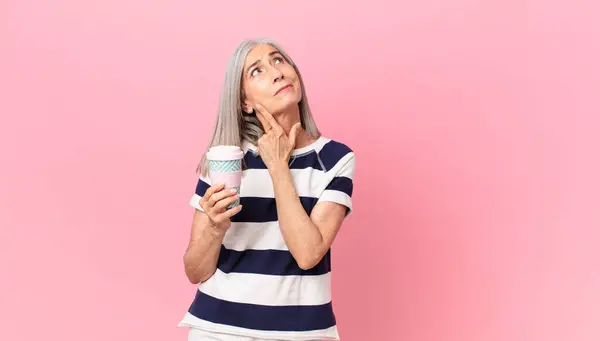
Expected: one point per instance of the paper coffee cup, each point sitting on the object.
(225, 166)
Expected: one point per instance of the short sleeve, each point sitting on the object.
(339, 188)
(201, 187)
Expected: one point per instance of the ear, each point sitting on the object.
(247, 107)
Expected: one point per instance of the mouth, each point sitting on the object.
(283, 88)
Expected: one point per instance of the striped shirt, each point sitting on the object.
(258, 289)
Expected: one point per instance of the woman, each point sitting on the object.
(263, 267)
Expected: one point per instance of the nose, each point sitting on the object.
(277, 75)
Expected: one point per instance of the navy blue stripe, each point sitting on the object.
(259, 317)
(332, 153)
(309, 160)
(201, 187)
(259, 210)
(268, 262)
(253, 161)
(342, 184)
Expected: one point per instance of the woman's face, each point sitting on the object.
(269, 80)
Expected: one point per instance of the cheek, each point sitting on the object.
(255, 90)
(263, 87)
(299, 94)
(291, 73)
(247, 91)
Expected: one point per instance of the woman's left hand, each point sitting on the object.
(275, 146)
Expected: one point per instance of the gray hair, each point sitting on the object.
(232, 126)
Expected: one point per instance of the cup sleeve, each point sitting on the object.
(340, 187)
(201, 187)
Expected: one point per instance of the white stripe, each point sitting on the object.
(192, 321)
(337, 197)
(321, 143)
(255, 189)
(345, 167)
(196, 334)
(257, 236)
(268, 290)
(309, 182)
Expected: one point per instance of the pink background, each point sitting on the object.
(477, 189)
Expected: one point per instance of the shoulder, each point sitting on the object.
(333, 153)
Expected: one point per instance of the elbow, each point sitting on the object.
(306, 266)
(309, 261)
(191, 276)
(196, 273)
(197, 279)
(194, 280)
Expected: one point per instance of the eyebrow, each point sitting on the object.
(258, 61)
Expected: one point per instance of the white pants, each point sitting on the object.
(201, 335)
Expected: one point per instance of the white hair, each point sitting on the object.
(232, 126)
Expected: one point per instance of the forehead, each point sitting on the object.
(259, 52)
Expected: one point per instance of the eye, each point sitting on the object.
(254, 72)
(278, 60)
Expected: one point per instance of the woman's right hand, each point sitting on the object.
(215, 202)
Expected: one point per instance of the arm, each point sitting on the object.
(200, 258)
(208, 229)
(308, 238)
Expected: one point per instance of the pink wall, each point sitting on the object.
(476, 199)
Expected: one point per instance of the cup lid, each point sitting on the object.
(223, 152)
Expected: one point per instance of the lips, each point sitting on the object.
(283, 88)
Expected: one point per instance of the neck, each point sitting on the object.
(287, 119)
